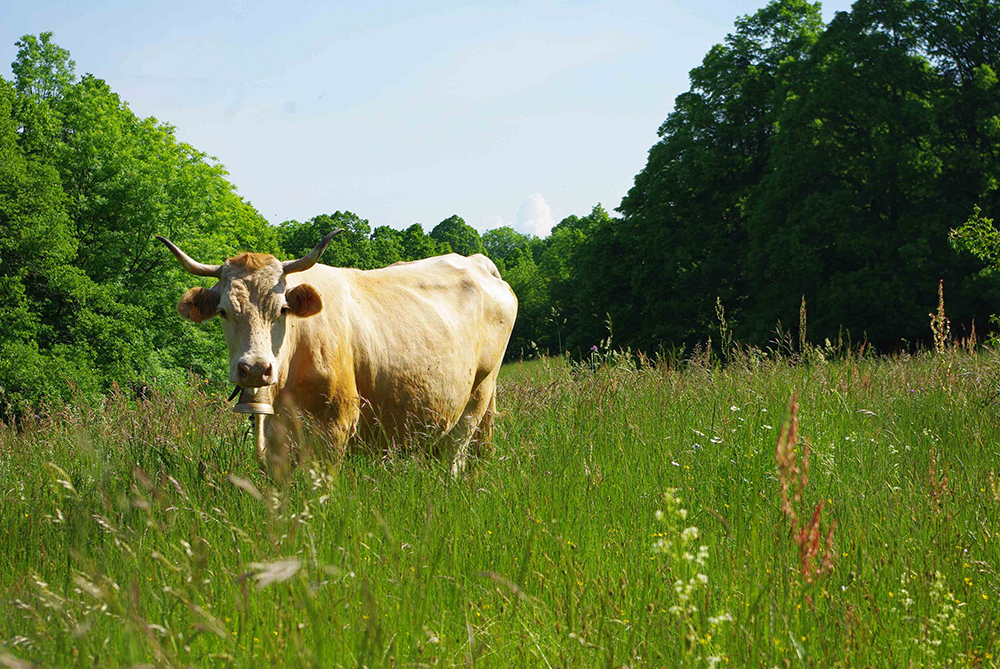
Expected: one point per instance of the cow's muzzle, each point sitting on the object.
(255, 374)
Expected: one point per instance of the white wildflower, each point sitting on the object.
(689, 534)
(721, 618)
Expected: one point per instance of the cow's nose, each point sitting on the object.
(256, 374)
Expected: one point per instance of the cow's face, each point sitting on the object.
(254, 302)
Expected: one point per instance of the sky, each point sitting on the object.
(504, 113)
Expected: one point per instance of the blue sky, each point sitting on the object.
(506, 114)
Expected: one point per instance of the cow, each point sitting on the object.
(410, 351)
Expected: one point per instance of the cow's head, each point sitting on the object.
(253, 300)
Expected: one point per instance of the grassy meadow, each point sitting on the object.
(142, 534)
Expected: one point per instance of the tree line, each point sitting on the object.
(824, 161)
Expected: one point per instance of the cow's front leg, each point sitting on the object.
(344, 415)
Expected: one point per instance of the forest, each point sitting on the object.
(850, 166)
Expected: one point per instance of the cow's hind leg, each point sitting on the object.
(470, 427)
(482, 440)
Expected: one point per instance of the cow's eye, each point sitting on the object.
(285, 310)
(222, 314)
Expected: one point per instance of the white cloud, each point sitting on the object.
(534, 217)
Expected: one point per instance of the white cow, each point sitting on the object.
(381, 355)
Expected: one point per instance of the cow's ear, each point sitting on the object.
(304, 301)
(198, 304)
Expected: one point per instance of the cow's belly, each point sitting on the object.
(423, 398)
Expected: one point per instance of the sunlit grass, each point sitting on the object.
(143, 533)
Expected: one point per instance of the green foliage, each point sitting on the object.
(686, 216)
(358, 246)
(31, 377)
(417, 245)
(979, 237)
(459, 235)
(532, 306)
(84, 186)
(42, 68)
(552, 280)
(505, 246)
(387, 246)
(351, 248)
(829, 162)
(36, 247)
(849, 212)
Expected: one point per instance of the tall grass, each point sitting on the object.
(626, 517)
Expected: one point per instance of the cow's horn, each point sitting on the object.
(311, 258)
(191, 265)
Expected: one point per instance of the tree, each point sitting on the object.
(550, 278)
(571, 253)
(387, 246)
(980, 238)
(532, 307)
(961, 36)
(42, 68)
(84, 184)
(851, 213)
(684, 231)
(505, 246)
(460, 236)
(35, 235)
(962, 39)
(351, 248)
(39, 351)
(417, 245)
